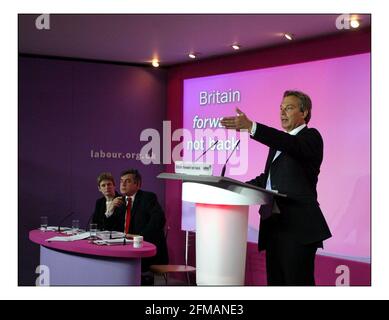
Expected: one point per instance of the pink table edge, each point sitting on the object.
(84, 247)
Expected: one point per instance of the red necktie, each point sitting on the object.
(128, 216)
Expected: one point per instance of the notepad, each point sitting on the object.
(76, 237)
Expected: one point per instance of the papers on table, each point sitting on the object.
(110, 242)
(53, 228)
(108, 235)
(76, 237)
(105, 238)
(71, 232)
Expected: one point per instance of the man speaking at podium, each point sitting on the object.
(292, 228)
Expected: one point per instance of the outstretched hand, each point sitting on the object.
(238, 122)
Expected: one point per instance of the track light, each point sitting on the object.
(354, 23)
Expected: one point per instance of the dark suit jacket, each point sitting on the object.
(99, 217)
(294, 172)
(147, 220)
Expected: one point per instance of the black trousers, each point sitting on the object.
(289, 263)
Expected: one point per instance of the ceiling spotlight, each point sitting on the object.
(155, 63)
(192, 55)
(354, 23)
(289, 36)
(235, 46)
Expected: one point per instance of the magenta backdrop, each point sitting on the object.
(340, 91)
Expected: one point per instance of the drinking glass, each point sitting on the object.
(75, 226)
(93, 231)
(44, 223)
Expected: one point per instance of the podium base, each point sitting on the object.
(221, 243)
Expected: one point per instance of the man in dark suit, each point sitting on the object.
(105, 206)
(292, 228)
(139, 212)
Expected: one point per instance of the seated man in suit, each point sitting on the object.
(141, 214)
(106, 205)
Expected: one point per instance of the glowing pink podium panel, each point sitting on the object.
(222, 207)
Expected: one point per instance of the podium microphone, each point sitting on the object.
(207, 150)
(67, 216)
(225, 165)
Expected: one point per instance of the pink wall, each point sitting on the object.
(327, 270)
(347, 43)
(340, 91)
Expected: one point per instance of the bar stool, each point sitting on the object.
(165, 269)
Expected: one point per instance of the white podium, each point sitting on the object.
(222, 206)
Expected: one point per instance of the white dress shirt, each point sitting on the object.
(132, 199)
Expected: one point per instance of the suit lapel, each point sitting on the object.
(137, 201)
(273, 153)
(269, 160)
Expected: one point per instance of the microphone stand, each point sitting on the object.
(67, 216)
(207, 149)
(225, 165)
